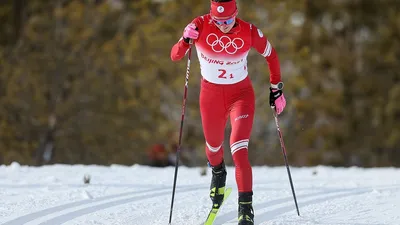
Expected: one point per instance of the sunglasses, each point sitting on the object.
(226, 22)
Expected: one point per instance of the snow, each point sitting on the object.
(130, 195)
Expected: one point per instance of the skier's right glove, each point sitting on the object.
(190, 33)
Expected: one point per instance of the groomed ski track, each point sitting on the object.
(149, 204)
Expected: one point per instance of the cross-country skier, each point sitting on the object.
(223, 42)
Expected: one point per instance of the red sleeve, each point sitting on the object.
(180, 49)
(264, 47)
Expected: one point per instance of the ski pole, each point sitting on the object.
(285, 157)
(180, 132)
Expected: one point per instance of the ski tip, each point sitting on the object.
(213, 214)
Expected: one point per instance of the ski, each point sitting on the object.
(214, 211)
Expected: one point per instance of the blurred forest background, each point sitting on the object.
(91, 82)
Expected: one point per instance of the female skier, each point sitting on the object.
(223, 42)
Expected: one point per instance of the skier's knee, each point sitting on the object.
(213, 148)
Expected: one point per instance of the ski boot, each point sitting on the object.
(245, 210)
(217, 187)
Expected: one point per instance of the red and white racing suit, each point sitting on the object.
(226, 89)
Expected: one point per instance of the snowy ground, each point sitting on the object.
(140, 195)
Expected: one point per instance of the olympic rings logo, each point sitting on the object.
(224, 43)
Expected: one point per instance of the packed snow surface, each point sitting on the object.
(141, 195)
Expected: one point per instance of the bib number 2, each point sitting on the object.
(223, 74)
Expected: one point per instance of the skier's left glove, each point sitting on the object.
(277, 100)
